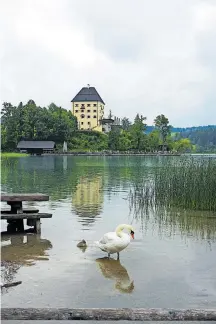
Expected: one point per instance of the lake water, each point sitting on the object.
(170, 263)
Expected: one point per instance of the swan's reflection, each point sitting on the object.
(112, 269)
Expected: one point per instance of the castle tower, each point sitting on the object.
(88, 107)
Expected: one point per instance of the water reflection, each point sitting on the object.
(82, 248)
(65, 160)
(170, 220)
(89, 181)
(114, 270)
(21, 250)
(48, 174)
(87, 200)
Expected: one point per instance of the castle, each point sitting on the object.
(88, 108)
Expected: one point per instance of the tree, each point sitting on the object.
(31, 122)
(113, 139)
(125, 140)
(30, 116)
(137, 133)
(162, 124)
(125, 122)
(183, 145)
(9, 125)
(154, 140)
(203, 137)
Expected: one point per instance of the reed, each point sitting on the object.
(187, 183)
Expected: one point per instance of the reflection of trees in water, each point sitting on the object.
(21, 250)
(51, 175)
(45, 174)
(113, 269)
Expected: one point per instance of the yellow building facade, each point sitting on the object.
(88, 108)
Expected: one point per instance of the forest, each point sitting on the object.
(203, 138)
(31, 122)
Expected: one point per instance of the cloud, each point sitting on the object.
(146, 56)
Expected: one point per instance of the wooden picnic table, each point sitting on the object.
(17, 213)
(24, 197)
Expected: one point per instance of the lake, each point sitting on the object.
(170, 263)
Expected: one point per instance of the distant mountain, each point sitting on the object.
(149, 129)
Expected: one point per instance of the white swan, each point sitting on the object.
(115, 242)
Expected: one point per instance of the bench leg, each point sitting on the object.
(11, 227)
(20, 225)
(15, 226)
(37, 226)
(30, 222)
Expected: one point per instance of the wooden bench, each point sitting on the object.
(16, 215)
(25, 210)
(25, 216)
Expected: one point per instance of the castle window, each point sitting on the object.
(82, 116)
(94, 116)
(89, 123)
(81, 123)
(76, 111)
(88, 116)
(88, 105)
(88, 110)
(76, 105)
(95, 105)
(82, 110)
(95, 110)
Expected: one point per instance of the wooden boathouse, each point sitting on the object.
(36, 147)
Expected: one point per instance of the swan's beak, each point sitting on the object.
(132, 234)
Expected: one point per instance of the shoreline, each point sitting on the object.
(110, 154)
(17, 154)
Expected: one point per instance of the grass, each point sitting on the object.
(13, 154)
(186, 184)
(189, 184)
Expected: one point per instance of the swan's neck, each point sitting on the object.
(120, 228)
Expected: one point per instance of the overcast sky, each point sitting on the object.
(146, 56)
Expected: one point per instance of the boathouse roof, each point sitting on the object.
(36, 144)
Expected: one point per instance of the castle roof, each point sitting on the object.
(88, 94)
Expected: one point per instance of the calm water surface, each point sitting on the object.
(171, 262)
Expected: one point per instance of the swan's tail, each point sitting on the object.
(101, 246)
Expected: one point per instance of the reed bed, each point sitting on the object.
(187, 183)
